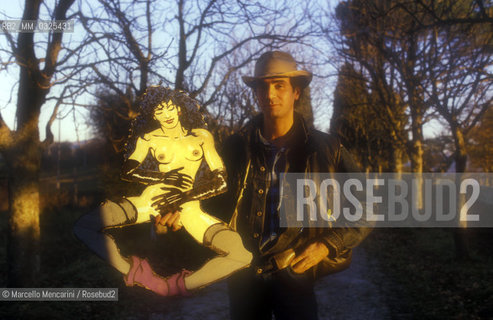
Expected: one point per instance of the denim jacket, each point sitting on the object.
(245, 201)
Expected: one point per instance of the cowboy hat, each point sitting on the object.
(277, 64)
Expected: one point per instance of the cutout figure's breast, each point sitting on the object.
(172, 152)
(163, 154)
(193, 152)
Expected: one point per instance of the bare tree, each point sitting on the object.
(462, 78)
(357, 41)
(235, 103)
(124, 53)
(22, 147)
(436, 55)
(448, 13)
(357, 122)
(480, 148)
(461, 94)
(187, 45)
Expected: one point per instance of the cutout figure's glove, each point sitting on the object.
(210, 185)
(169, 201)
(177, 179)
(132, 172)
(172, 198)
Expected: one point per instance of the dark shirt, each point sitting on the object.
(275, 160)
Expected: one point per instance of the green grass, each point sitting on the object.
(422, 277)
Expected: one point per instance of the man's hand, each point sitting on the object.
(170, 220)
(312, 255)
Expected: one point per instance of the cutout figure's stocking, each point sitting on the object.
(232, 257)
(90, 229)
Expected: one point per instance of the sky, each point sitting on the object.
(64, 128)
(72, 124)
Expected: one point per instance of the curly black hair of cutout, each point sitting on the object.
(190, 117)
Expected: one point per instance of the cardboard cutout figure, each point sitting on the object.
(169, 129)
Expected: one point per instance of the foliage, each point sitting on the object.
(356, 121)
(424, 57)
(110, 117)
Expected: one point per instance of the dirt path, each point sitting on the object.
(347, 295)
(350, 294)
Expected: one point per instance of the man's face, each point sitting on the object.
(276, 97)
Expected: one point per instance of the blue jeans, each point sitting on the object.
(285, 294)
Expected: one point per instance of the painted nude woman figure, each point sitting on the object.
(168, 127)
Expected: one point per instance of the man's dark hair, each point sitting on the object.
(303, 105)
(296, 83)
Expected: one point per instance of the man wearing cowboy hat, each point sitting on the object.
(286, 260)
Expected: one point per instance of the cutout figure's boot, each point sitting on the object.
(141, 274)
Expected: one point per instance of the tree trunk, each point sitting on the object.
(461, 241)
(460, 150)
(416, 156)
(24, 154)
(304, 107)
(24, 159)
(182, 51)
(23, 249)
(395, 163)
(417, 141)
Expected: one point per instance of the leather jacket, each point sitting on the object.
(244, 202)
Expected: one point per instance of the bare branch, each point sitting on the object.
(11, 41)
(55, 44)
(49, 134)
